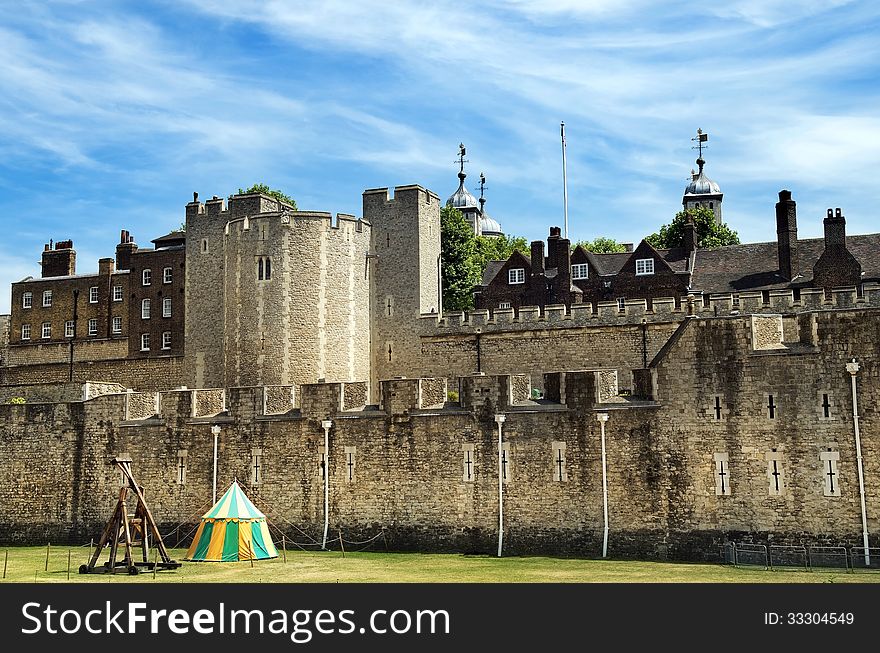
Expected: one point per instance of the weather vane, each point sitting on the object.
(482, 188)
(700, 138)
(461, 160)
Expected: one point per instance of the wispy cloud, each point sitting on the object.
(113, 114)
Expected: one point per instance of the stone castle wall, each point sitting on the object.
(405, 469)
(144, 374)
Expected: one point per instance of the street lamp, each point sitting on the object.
(215, 430)
(603, 417)
(499, 420)
(326, 425)
(853, 369)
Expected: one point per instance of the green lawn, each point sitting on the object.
(27, 565)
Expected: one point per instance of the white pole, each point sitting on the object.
(853, 369)
(326, 424)
(603, 417)
(564, 181)
(499, 419)
(216, 431)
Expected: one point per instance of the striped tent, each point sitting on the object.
(232, 530)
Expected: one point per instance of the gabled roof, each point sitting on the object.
(755, 266)
(176, 237)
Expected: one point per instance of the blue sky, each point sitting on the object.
(113, 113)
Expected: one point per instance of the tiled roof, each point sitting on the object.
(754, 266)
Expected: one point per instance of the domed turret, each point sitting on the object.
(463, 200)
(702, 191)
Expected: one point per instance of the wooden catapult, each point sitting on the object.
(129, 533)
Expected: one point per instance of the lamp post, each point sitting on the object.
(499, 420)
(853, 369)
(326, 425)
(603, 417)
(215, 430)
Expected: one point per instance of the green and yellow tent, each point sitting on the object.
(232, 530)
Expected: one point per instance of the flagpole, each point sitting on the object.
(564, 180)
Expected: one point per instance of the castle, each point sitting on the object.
(705, 417)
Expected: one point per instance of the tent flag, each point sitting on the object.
(232, 530)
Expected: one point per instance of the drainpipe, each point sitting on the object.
(499, 420)
(853, 369)
(326, 425)
(603, 417)
(216, 431)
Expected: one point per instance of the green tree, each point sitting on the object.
(277, 194)
(709, 233)
(498, 249)
(601, 245)
(461, 271)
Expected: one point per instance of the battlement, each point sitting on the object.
(400, 193)
(663, 309)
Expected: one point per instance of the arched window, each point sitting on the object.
(264, 268)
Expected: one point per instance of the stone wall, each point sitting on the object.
(407, 474)
(146, 374)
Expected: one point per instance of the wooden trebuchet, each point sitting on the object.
(129, 533)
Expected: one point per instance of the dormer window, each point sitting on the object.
(516, 275)
(580, 271)
(644, 266)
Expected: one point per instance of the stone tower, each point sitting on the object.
(287, 302)
(404, 270)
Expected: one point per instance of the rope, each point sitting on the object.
(255, 493)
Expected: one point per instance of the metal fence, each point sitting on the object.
(829, 557)
(862, 558)
(801, 558)
(789, 557)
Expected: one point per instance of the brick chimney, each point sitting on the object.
(124, 250)
(538, 257)
(786, 236)
(60, 260)
(836, 267)
(563, 265)
(553, 247)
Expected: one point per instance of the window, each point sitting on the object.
(93, 327)
(256, 466)
(27, 300)
(204, 245)
(621, 303)
(167, 275)
(516, 275)
(181, 467)
(68, 329)
(774, 473)
(504, 305)
(722, 475)
(25, 331)
(264, 268)
(736, 300)
(580, 271)
(468, 463)
(117, 325)
(46, 330)
(117, 293)
(147, 277)
(145, 309)
(560, 474)
(644, 266)
(145, 342)
(829, 472)
(166, 307)
(166, 340)
(350, 453)
(93, 295)
(47, 298)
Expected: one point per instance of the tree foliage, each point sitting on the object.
(601, 245)
(277, 194)
(498, 249)
(709, 233)
(461, 271)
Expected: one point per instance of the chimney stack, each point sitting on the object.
(124, 250)
(538, 257)
(690, 235)
(836, 267)
(59, 260)
(786, 236)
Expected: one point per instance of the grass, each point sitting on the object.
(27, 565)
